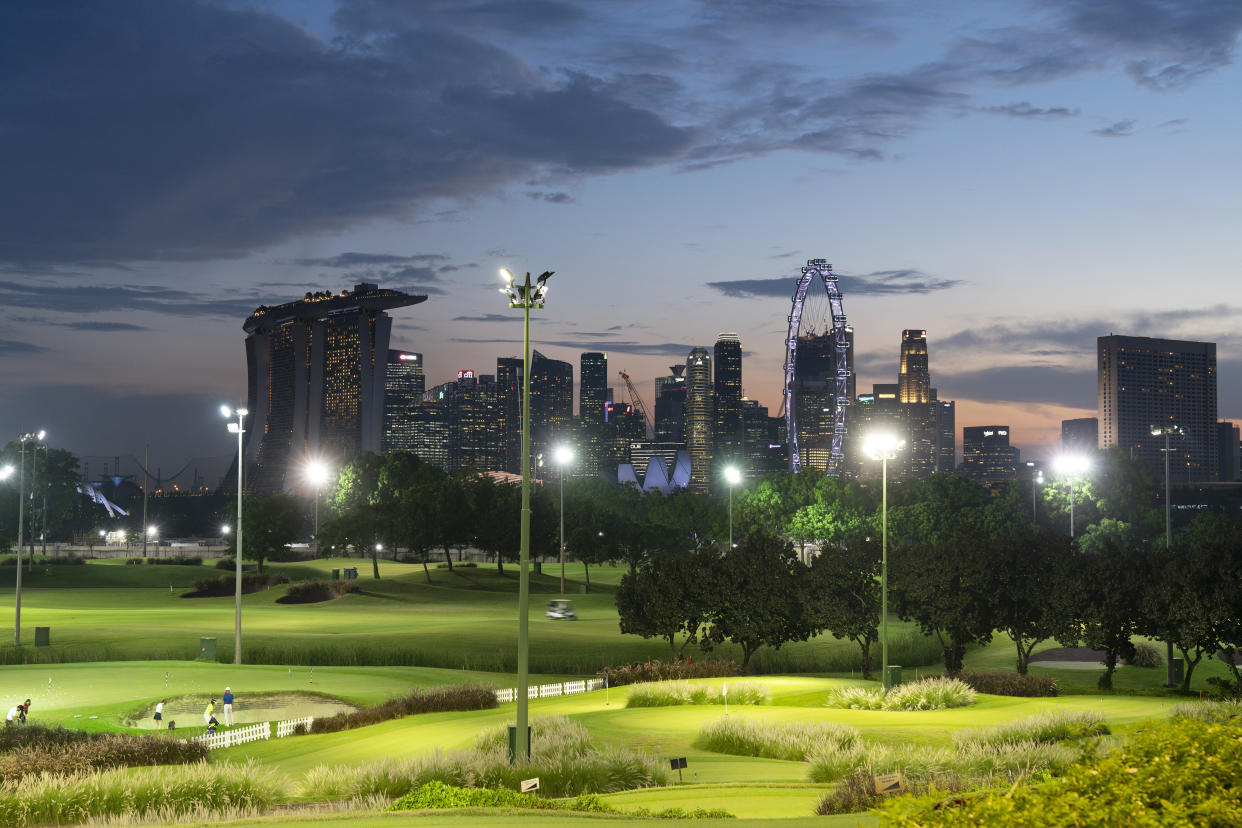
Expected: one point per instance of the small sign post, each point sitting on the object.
(530, 785)
(724, 692)
(888, 784)
(678, 764)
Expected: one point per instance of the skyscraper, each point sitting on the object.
(1080, 435)
(987, 457)
(592, 395)
(1145, 382)
(670, 406)
(551, 402)
(814, 397)
(1230, 448)
(404, 385)
(727, 426)
(317, 370)
(946, 434)
(915, 398)
(698, 418)
(509, 382)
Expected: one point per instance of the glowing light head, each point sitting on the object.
(732, 475)
(563, 455)
(225, 529)
(1071, 465)
(882, 445)
(6, 472)
(225, 411)
(317, 473)
(41, 434)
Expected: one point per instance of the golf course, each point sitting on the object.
(124, 638)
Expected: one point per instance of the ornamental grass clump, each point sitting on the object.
(437, 795)
(1045, 728)
(562, 756)
(936, 693)
(201, 790)
(314, 591)
(792, 741)
(1208, 711)
(999, 683)
(33, 750)
(453, 698)
(671, 693)
(980, 763)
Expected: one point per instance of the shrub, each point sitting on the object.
(1045, 728)
(935, 693)
(793, 741)
(666, 670)
(462, 564)
(671, 693)
(133, 561)
(126, 795)
(934, 765)
(44, 560)
(217, 587)
(1146, 655)
(1208, 711)
(176, 560)
(854, 793)
(230, 565)
(1187, 772)
(436, 795)
(310, 592)
(561, 756)
(999, 683)
(54, 750)
(432, 700)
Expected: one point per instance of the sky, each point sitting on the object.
(1016, 178)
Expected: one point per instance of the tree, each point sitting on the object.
(756, 595)
(1035, 587)
(360, 527)
(665, 598)
(270, 523)
(843, 593)
(1112, 611)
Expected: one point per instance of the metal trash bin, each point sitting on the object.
(894, 675)
(1179, 670)
(43, 636)
(207, 649)
(336, 574)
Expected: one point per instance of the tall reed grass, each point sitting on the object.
(793, 741)
(672, 693)
(981, 762)
(55, 799)
(936, 693)
(562, 756)
(1208, 711)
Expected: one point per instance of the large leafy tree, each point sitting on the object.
(757, 597)
(1113, 610)
(1036, 586)
(843, 593)
(270, 523)
(667, 597)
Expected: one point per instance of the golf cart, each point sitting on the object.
(560, 609)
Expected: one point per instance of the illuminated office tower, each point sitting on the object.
(727, 425)
(945, 424)
(914, 394)
(1081, 434)
(317, 370)
(592, 395)
(404, 385)
(1146, 382)
(551, 402)
(987, 457)
(698, 418)
(670, 406)
(431, 433)
(509, 382)
(1230, 450)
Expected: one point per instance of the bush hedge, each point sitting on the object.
(58, 751)
(998, 683)
(668, 670)
(433, 700)
(226, 585)
(311, 592)
(437, 795)
(1146, 655)
(44, 560)
(1188, 772)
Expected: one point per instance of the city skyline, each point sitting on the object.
(1016, 181)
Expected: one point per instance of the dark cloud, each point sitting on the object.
(232, 129)
(87, 298)
(1024, 109)
(551, 198)
(353, 259)
(877, 283)
(12, 346)
(623, 346)
(102, 327)
(367, 17)
(490, 317)
(1040, 384)
(1120, 129)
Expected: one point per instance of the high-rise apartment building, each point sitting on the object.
(1146, 382)
(1229, 446)
(698, 417)
(404, 385)
(987, 457)
(945, 424)
(914, 394)
(592, 396)
(670, 406)
(509, 374)
(317, 370)
(1081, 434)
(727, 425)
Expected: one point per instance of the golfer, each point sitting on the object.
(8, 720)
(23, 710)
(159, 713)
(210, 712)
(227, 698)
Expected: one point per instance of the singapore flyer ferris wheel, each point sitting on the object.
(836, 397)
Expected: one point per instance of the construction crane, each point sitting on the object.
(637, 402)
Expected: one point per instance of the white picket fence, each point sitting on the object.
(251, 733)
(284, 729)
(544, 691)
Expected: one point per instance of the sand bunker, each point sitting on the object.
(187, 711)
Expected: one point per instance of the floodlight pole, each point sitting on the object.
(884, 570)
(1167, 431)
(239, 428)
(21, 527)
(524, 296)
(562, 527)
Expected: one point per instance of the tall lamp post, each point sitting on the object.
(1167, 431)
(237, 428)
(524, 296)
(883, 446)
(21, 526)
(563, 455)
(317, 475)
(1036, 481)
(1070, 466)
(732, 477)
